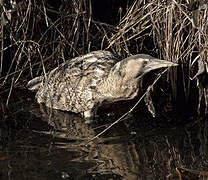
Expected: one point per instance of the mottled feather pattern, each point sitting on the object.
(71, 86)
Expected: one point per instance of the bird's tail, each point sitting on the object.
(35, 83)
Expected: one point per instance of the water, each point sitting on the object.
(37, 143)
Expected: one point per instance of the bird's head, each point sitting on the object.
(135, 67)
(125, 78)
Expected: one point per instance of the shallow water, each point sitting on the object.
(37, 143)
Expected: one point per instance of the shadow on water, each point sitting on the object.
(37, 143)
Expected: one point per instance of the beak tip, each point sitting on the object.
(174, 64)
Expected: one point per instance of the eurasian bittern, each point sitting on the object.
(86, 82)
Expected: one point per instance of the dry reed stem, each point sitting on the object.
(178, 33)
(135, 105)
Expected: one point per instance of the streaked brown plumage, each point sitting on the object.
(86, 82)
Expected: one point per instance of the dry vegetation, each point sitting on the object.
(37, 37)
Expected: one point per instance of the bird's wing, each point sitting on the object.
(70, 86)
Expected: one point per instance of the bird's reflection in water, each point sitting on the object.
(150, 153)
(53, 143)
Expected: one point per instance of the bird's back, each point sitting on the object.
(71, 86)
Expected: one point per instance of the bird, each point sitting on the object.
(84, 83)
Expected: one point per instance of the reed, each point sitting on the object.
(40, 35)
(177, 29)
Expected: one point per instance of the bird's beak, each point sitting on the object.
(153, 64)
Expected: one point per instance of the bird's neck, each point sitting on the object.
(116, 88)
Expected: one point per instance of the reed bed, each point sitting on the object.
(38, 36)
